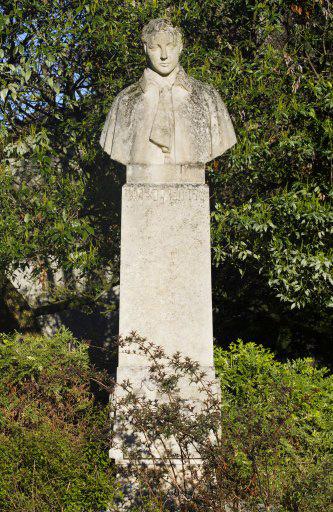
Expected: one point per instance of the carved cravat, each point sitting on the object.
(163, 126)
(162, 130)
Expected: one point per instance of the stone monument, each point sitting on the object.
(164, 128)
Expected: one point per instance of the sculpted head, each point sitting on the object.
(163, 45)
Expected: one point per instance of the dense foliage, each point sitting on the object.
(264, 445)
(54, 436)
(277, 420)
(62, 63)
(273, 433)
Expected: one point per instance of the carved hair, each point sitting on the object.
(160, 25)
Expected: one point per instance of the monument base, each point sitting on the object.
(165, 275)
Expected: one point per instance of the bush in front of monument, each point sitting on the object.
(263, 444)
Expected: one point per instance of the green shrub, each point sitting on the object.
(271, 443)
(277, 421)
(53, 435)
(264, 446)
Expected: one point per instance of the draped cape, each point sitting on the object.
(202, 129)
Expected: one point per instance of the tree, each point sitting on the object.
(62, 63)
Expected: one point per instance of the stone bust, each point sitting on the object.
(166, 117)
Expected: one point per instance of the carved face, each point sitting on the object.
(163, 52)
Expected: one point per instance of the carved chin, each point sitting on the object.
(162, 69)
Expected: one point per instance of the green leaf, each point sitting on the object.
(3, 93)
(27, 75)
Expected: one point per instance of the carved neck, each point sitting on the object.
(162, 81)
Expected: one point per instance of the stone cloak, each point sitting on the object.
(202, 126)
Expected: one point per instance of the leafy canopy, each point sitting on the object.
(61, 65)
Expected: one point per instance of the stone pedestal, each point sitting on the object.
(165, 276)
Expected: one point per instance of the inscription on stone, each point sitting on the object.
(168, 195)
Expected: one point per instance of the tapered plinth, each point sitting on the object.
(165, 277)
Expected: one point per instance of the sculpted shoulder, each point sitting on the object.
(132, 91)
(222, 132)
(118, 118)
(202, 88)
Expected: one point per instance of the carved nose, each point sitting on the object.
(164, 57)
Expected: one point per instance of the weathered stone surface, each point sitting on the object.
(168, 173)
(165, 276)
(165, 290)
(39, 293)
(38, 289)
(167, 116)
